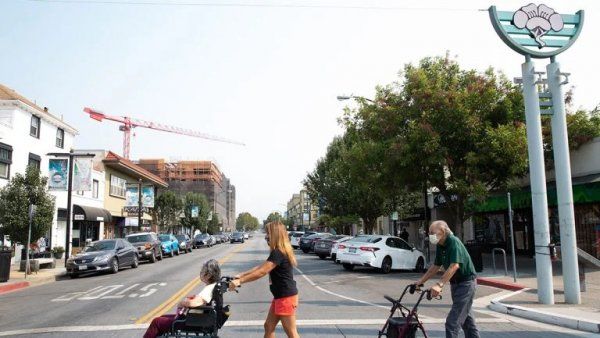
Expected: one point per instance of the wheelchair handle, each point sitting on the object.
(412, 288)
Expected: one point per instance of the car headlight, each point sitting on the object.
(101, 258)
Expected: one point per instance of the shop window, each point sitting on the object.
(34, 128)
(5, 160)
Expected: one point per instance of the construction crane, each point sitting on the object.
(128, 123)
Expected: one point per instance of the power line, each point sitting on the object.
(249, 5)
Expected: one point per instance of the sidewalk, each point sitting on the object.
(17, 279)
(524, 303)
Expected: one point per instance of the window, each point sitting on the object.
(80, 193)
(117, 186)
(34, 129)
(60, 138)
(34, 160)
(5, 160)
(95, 188)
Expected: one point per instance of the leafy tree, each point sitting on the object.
(246, 221)
(274, 216)
(458, 132)
(15, 198)
(213, 225)
(167, 210)
(190, 200)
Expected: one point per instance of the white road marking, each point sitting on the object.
(121, 293)
(103, 292)
(72, 295)
(233, 323)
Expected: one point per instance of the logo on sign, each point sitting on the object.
(538, 20)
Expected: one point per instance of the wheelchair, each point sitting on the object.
(203, 321)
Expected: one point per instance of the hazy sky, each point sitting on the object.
(267, 76)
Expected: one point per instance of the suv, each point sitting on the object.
(185, 243)
(147, 245)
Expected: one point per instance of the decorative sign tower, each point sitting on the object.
(540, 32)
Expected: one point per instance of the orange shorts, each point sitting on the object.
(284, 306)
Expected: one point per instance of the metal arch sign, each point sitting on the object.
(537, 31)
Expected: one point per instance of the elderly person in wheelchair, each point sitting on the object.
(202, 314)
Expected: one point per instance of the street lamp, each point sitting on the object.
(352, 96)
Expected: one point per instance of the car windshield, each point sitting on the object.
(318, 236)
(238, 234)
(100, 246)
(306, 234)
(180, 237)
(365, 239)
(298, 234)
(139, 238)
(164, 238)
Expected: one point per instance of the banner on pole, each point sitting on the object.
(148, 196)
(59, 174)
(132, 196)
(195, 211)
(82, 174)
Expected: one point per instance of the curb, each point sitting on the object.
(543, 316)
(13, 287)
(500, 284)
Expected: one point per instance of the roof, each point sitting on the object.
(123, 163)
(7, 93)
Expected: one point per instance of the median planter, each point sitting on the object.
(58, 252)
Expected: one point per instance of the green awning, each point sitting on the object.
(521, 199)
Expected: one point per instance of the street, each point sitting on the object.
(333, 302)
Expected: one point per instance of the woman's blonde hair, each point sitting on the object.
(278, 239)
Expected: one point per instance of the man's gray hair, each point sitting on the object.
(444, 226)
(211, 272)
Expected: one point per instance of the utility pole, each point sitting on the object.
(140, 204)
(31, 215)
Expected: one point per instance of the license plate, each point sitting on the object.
(352, 250)
(82, 267)
(322, 245)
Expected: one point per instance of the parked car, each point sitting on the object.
(323, 246)
(295, 239)
(169, 244)
(185, 243)
(203, 240)
(237, 237)
(307, 244)
(385, 253)
(246, 235)
(334, 247)
(105, 255)
(147, 244)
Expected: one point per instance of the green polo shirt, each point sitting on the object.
(453, 251)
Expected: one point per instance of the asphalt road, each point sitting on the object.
(333, 302)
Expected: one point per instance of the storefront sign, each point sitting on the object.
(78, 217)
(58, 174)
(82, 174)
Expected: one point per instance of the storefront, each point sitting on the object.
(88, 224)
(491, 226)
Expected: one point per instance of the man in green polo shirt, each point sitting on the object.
(460, 273)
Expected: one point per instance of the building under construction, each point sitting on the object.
(201, 177)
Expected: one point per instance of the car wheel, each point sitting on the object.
(114, 266)
(136, 262)
(160, 255)
(73, 275)
(420, 266)
(305, 251)
(153, 258)
(177, 252)
(322, 256)
(348, 267)
(333, 257)
(386, 265)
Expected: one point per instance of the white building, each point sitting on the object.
(27, 134)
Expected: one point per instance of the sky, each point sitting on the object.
(254, 71)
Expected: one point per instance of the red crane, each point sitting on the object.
(128, 123)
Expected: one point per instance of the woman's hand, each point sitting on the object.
(238, 276)
(234, 284)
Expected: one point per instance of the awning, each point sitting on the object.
(87, 213)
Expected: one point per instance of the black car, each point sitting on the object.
(307, 244)
(322, 247)
(105, 255)
(203, 240)
(237, 237)
(147, 244)
(185, 243)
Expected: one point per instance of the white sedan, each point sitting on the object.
(386, 253)
(335, 247)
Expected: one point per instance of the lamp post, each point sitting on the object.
(71, 156)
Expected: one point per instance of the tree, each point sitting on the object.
(15, 199)
(245, 221)
(167, 208)
(191, 200)
(458, 132)
(214, 224)
(274, 216)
